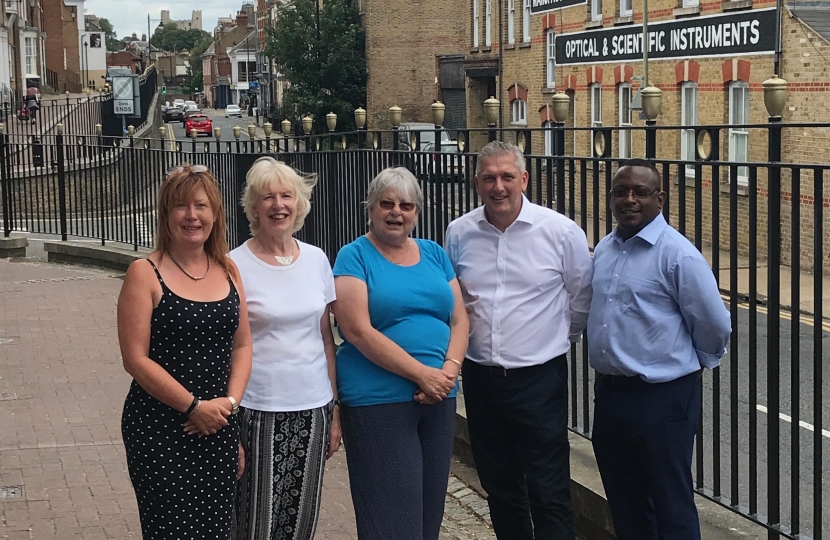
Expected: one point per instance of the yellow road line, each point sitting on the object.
(805, 319)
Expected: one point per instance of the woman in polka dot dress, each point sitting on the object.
(184, 335)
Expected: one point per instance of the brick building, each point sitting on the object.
(228, 34)
(412, 49)
(63, 45)
(709, 58)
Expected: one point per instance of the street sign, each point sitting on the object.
(122, 95)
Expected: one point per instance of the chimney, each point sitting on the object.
(143, 37)
(242, 19)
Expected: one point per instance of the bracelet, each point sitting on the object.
(193, 404)
(454, 361)
(336, 403)
(195, 407)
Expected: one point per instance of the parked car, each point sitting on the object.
(233, 110)
(447, 164)
(200, 122)
(426, 135)
(174, 114)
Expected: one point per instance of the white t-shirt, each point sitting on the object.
(285, 304)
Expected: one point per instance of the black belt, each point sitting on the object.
(623, 381)
(499, 371)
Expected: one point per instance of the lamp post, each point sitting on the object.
(84, 59)
(161, 25)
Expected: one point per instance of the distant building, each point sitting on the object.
(195, 21)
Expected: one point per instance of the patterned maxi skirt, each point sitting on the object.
(278, 496)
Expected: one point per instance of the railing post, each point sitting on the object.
(4, 181)
(133, 189)
(331, 189)
(61, 180)
(395, 121)
(774, 96)
(491, 112)
(652, 98)
(561, 106)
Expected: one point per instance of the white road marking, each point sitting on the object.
(801, 423)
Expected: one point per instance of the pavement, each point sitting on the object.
(63, 473)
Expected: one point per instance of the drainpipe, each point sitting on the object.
(776, 69)
(501, 50)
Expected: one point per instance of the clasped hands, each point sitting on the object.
(436, 384)
(211, 416)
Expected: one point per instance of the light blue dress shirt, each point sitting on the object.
(656, 312)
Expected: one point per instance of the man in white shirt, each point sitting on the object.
(525, 274)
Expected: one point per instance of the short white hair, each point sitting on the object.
(398, 180)
(267, 171)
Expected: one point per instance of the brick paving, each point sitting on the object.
(61, 392)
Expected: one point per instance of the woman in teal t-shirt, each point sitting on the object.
(405, 328)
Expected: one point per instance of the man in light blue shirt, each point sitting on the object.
(656, 320)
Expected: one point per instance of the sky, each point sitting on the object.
(127, 21)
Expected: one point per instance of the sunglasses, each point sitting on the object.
(404, 206)
(191, 168)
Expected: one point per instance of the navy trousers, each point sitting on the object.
(643, 439)
(518, 423)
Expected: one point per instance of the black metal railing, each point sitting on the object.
(763, 223)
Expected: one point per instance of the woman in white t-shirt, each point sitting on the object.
(289, 420)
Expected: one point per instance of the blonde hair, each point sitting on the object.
(267, 171)
(179, 187)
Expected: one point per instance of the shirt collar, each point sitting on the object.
(650, 233)
(526, 214)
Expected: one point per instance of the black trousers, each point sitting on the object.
(518, 423)
(643, 439)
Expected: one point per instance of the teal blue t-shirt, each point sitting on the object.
(411, 305)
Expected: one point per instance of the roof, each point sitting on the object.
(247, 41)
(210, 50)
(816, 15)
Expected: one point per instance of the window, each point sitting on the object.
(625, 121)
(596, 10)
(596, 111)
(625, 8)
(691, 3)
(519, 109)
(548, 138)
(511, 21)
(550, 58)
(688, 117)
(739, 137)
(476, 23)
(526, 21)
(488, 17)
(31, 56)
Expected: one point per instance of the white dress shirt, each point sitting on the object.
(527, 290)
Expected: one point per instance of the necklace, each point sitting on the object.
(385, 256)
(283, 261)
(188, 274)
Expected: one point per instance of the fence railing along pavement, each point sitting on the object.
(762, 448)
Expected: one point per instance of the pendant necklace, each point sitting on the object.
(282, 261)
(188, 274)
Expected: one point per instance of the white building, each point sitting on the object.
(242, 57)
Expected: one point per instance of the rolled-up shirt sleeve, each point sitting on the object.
(703, 310)
(577, 273)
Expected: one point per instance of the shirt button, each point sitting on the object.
(624, 252)
(616, 275)
(605, 326)
(603, 351)
(610, 300)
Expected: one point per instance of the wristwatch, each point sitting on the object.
(234, 405)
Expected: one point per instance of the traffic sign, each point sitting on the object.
(123, 95)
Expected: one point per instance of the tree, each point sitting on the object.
(172, 38)
(195, 61)
(322, 53)
(111, 38)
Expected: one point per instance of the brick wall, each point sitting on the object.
(403, 40)
(62, 42)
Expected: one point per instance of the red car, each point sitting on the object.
(201, 123)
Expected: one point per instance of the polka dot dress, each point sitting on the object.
(184, 484)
